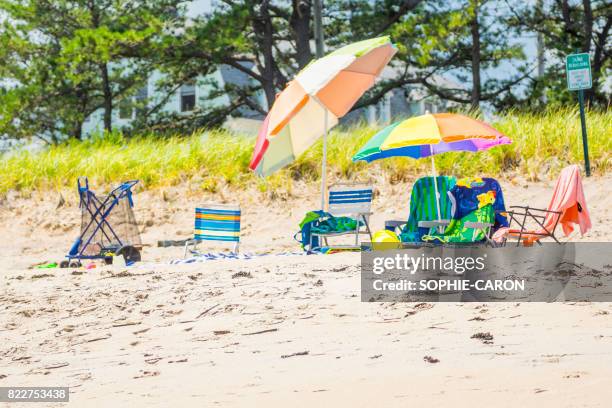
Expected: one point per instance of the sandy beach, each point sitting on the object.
(279, 329)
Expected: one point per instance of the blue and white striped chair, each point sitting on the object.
(351, 200)
(216, 222)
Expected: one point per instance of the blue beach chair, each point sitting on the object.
(218, 223)
(349, 200)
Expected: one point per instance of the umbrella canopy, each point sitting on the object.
(426, 135)
(430, 134)
(322, 92)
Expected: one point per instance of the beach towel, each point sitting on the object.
(423, 206)
(456, 231)
(333, 224)
(216, 256)
(568, 198)
(473, 199)
(470, 194)
(321, 222)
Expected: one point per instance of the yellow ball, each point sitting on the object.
(385, 239)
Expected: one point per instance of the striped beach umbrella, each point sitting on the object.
(312, 102)
(428, 135)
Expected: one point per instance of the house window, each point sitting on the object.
(188, 97)
(140, 100)
(126, 108)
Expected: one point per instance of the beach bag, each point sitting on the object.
(312, 218)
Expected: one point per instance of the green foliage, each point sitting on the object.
(435, 40)
(567, 27)
(62, 60)
(65, 59)
(542, 145)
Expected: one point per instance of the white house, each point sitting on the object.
(184, 100)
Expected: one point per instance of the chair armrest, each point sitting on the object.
(477, 225)
(394, 223)
(351, 214)
(433, 224)
(523, 207)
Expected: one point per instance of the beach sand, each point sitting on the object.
(279, 330)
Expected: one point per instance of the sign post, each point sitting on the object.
(578, 73)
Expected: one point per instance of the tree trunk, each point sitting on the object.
(587, 26)
(475, 28)
(82, 96)
(540, 53)
(587, 32)
(77, 131)
(106, 87)
(262, 26)
(598, 60)
(300, 27)
(108, 99)
(318, 28)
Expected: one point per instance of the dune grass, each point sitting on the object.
(543, 143)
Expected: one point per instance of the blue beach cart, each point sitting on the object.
(108, 226)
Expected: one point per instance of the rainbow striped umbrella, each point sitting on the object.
(431, 134)
(322, 92)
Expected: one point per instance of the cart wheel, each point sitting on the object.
(64, 264)
(74, 264)
(130, 254)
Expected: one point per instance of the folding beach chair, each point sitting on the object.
(567, 207)
(546, 220)
(350, 200)
(423, 215)
(218, 223)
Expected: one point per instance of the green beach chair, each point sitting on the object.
(423, 213)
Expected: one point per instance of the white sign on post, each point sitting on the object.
(578, 71)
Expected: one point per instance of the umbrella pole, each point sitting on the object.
(435, 176)
(324, 164)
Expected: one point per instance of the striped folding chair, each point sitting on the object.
(351, 200)
(423, 216)
(216, 222)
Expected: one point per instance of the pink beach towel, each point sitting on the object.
(569, 199)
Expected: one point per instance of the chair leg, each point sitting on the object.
(489, 238)
(522, 226)
(187, 242)
(367, 225)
